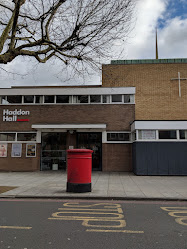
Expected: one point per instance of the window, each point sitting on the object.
(95, 98)
(116, 98)
(118, 136)
(7, 136)
(80, 99)
(63, 99)
(29, 99)
(3, 100)
(68, 99)
(171, 134)
(14, 99)
(127, 99)
(38, 99)
(106, 98)
(26, 137)
(49, 99)
(147, 134)
(183, 134)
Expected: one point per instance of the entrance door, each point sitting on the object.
(53, 154)
(92, 141)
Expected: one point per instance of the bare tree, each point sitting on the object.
(70, 30)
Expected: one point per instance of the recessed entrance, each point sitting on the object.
(55, 144)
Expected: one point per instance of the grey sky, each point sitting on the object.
(172, 40)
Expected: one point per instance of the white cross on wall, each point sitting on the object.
(179, 79)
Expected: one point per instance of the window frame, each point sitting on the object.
(119, 142)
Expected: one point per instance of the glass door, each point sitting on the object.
(53, 154)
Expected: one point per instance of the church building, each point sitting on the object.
(135, 121)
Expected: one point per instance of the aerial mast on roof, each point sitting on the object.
(156, 46)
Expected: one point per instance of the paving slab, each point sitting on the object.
(122, 185)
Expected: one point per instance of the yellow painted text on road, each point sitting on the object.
(180, 213)
(104, 217)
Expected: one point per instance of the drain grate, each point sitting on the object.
(4, 189)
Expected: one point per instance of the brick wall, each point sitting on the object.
(157, 97)
(22, 163)
(117, 157)
(117, 117)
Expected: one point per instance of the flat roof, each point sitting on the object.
(67, 91)
(148, 61)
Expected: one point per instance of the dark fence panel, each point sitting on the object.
(160, 158)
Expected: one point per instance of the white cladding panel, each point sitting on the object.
(159, 125)
(68, 91)
(69, 126)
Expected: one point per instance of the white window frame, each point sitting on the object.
(38, 137)
(119, 142)
(72, 103)
(177, 139)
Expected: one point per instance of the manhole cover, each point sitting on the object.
(4, 189)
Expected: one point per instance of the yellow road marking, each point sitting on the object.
(106, 205)
(113, 231)
(112, 216)
(119, 210)
(180, 213)
(83, 218)
(122, 223)
(180, 221)
(15, 227)
(173, 208)
(57, 215)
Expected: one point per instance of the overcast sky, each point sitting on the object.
(170, 16)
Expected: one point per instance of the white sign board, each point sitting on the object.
(148, 134)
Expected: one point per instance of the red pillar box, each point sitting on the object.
(79, 170)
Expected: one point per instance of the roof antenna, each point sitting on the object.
(156, 46)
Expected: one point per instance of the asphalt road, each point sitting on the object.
(83, 224)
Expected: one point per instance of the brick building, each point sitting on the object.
(136, 121)
(38, 125)
(160, 125)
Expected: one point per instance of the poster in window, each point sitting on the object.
(16, 150)
(148, 134)
(31, 150)
(3, 150)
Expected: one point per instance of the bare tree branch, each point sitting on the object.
(79, 30)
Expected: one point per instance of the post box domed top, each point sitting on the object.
(79, 151)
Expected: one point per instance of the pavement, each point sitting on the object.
(105, 185)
